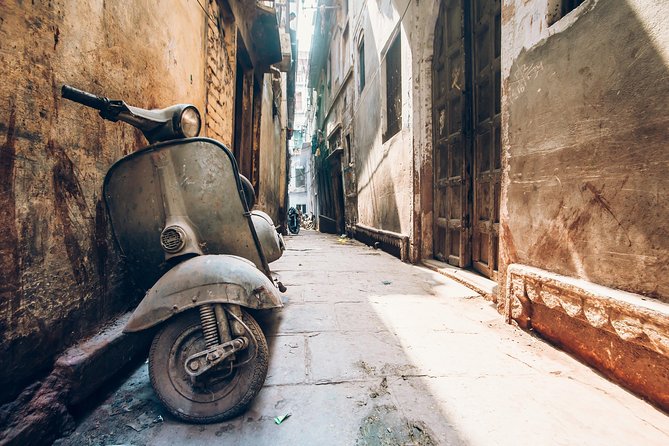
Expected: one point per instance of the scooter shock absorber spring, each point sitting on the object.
(208, 322)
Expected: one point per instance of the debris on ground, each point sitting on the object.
(382, 389)
(385, 426)
(386, 282)
(344, 239)
(365, 367)
(281, 418)
(144, 421)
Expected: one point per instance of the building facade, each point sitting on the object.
(517, 146)
(62, 275)
(300, 185)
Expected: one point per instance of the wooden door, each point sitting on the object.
(451, 179)
(466, 128)
(486, 44)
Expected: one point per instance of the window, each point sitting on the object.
(299, 176)
(345, 58)
(560, 8)
(393, 63)
(361, 65)
(335, 141)
(335, 63)
(329, 71)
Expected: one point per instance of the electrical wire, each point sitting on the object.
(206, 13)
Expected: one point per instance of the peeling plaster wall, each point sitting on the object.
(61, 275)
(272, 156)
(586, 142)
(419, 22)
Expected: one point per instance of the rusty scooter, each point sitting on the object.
(181, 214)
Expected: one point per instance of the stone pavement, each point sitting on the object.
(371, 351)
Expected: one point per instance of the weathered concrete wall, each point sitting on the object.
(272, 154)
(419, 23)
(586, 142)
(383, 169)
(61, 273)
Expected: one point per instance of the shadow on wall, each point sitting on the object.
(590, 185)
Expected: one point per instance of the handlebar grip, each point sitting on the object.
(82, 97)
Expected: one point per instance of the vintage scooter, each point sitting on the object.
(180, 212)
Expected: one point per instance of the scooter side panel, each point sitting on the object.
(190, 183)
(204, 280)
(270, 240)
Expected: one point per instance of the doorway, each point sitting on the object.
(466, 102)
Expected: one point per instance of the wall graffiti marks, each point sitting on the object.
(521, 76)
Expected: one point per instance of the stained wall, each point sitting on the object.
(61, 274)
(586, 142)
(272, 187)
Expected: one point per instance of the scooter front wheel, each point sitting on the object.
(224, 394)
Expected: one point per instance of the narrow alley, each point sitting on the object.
(392, 354)
(334, 222)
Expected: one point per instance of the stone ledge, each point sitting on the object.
(41, 412)
(485, 287)
(624, 335)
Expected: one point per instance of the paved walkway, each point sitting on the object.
(371, 351)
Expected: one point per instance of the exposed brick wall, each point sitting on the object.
(220, 75)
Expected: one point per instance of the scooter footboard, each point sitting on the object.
(204, 280)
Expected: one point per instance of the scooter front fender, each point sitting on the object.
(204, 280)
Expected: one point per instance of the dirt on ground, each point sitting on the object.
(384, 426)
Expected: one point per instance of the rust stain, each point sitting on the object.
(509, 249)
(598, 198)
(67, 191)
(9, 254)
(556, 239)
(508, 12)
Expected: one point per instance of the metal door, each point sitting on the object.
(486, 45)
(451, 231)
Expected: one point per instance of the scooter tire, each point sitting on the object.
(181, 337)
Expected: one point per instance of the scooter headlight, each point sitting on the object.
(189, 122)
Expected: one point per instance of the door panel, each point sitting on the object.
(487, 147)
(451, 241)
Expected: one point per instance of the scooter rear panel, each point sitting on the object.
(191, 183)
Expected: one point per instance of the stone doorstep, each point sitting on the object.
(623, 335)
(482, 285)
(77, 374)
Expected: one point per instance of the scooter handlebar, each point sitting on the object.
(85, 98)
